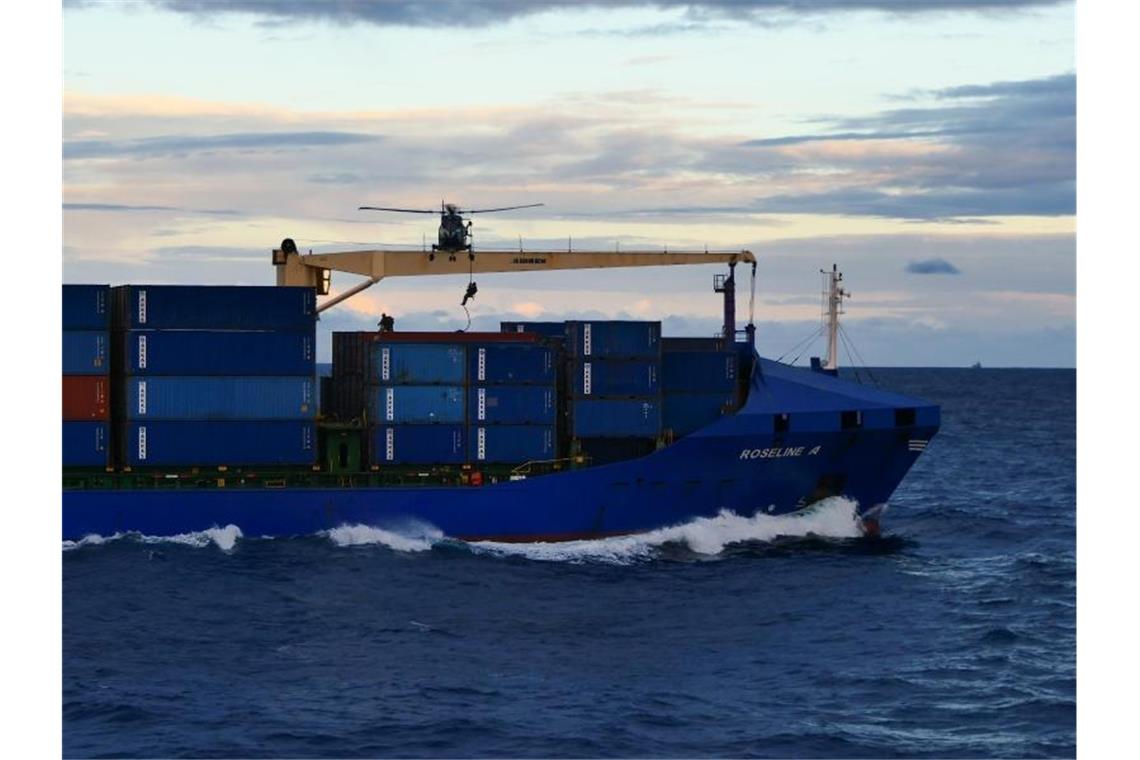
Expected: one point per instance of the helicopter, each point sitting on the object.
(454, 231)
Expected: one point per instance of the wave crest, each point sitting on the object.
(224, 538)
(835, 517)
(408, 538)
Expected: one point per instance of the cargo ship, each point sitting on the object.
(191, 407)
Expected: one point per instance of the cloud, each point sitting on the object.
(182, 144)
(121, 207)
(482, 13)
(211, 253)
(933, 204)
(775, 142)
(972, 152)
(932, 266)
(998, 149)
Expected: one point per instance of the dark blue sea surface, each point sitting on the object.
(953, 635)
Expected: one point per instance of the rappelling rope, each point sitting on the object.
(470, 280)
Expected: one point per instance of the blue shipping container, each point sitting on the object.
(419, 363)
(615, 418)
(86, 307)
(417, 404)
(615, 377)
(685, 412)
(510, 364)
(218, 352)
(511, 444)
(86, 444)
(704, 345)
(607, 450)
(545, 329)
(86, 353)
(211, 443)
(220, 398)
(513, 405)
(417, 444)
(614, 338)
(214, 307)
(698, 371)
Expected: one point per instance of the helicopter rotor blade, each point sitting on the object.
(401, 210)
(504, 208)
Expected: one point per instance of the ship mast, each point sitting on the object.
(833, 296)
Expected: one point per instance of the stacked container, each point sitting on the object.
(512, 402)
(447, 398)
(700, 380)
(208, 376)
(555, 330)
(86, 379)
(416, 401)
(614, 371)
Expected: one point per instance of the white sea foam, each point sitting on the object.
(836, 517)
(831, 518)
(92, 539)
(224, 538)
(410, 537)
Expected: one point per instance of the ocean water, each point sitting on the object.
(952, 635)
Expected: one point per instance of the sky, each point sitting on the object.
(929, 149)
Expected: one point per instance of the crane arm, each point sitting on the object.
(313, 270)
(299, 270)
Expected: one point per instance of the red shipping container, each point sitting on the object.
(86, 397)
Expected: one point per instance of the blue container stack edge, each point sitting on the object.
(614, 339)
(417, 444)
(219, 352)
(615, 418)
(86, 444)
(213, 307)
(417, 404)
(512, 444)
(207, 442)
(215, 375)
(545, 329)
(86, 352)
(220, 398)
(512, 405)
(419, 363)
(698, 371)
(615, 381)
(511, 364)
(615, 377)
(87, 307)
(86, 347)
(682, 413)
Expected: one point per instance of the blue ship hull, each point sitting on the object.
(800, 436)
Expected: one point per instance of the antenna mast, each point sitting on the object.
(833, 296)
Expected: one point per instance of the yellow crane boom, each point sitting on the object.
(314, 270)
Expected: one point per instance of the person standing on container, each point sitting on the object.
(387, 323)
